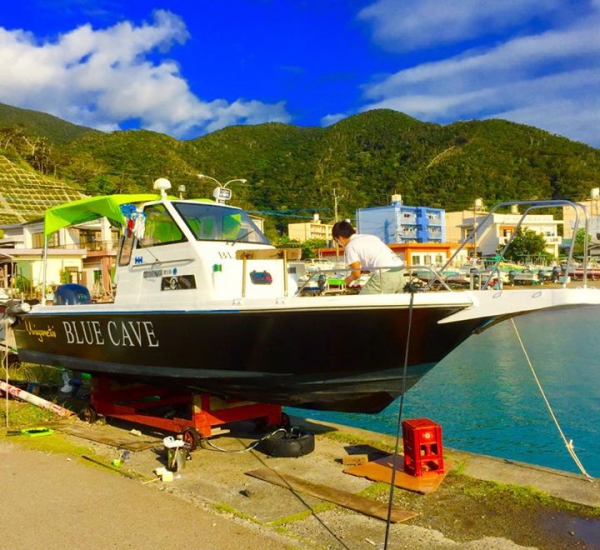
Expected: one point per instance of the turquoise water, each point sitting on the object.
(486, 400)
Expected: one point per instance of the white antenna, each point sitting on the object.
(162, 184)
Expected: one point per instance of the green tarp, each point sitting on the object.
(86, 210)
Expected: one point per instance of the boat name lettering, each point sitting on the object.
(40, 333)
(225, 255)
(153, 273)
(119, 333)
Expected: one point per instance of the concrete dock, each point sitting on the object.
(212, 502)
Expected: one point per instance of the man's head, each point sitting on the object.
(342, 231)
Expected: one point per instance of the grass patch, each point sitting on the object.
(230, 510)
(55, 443)
(352, 439)
(304, 514)
(524, 495)
(292, 518)
(458, 466)
(375, 491)
(35, 373)
(24, 415)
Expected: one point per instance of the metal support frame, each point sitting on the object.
(141, 403)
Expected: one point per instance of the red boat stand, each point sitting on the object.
(200, 412)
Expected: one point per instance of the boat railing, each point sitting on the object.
(319, 282)
(332, 281)
(530, 205)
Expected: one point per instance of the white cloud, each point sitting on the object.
(549, 80)
(101, 78)
(328, 120)
(410, 24)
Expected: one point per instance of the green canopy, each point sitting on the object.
(86, 210)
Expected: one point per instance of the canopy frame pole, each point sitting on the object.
(44, 268)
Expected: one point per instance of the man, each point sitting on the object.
(369, 252)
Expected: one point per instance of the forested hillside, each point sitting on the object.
(41, 124)
(293, 171)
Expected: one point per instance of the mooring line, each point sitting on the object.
(568, 444)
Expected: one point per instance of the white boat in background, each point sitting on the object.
(205, 303)
(319, 264)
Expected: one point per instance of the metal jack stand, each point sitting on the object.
(186, 413)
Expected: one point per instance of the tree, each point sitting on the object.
(308, 247)
(526, 244)
(579, 247)
(84, 169)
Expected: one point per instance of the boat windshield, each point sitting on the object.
(211, 222)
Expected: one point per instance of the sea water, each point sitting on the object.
(485, 397)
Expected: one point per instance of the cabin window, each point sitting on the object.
(160, 227)
(210, 222)
(125, 250)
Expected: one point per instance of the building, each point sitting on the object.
(84, 254)
(412, 254)
(591, 206)
(308, 231)
(397, 223)
(495, 230)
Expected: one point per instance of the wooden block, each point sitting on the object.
(355, 460)
(269, 254)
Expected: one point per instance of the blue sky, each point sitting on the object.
(190, 67)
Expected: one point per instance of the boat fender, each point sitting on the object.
(284, 443)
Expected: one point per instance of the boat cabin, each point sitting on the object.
(185, 252)
(212, 249)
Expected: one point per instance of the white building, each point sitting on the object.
(314, 229)
(82, 254)
(499, 228)
(592, 208)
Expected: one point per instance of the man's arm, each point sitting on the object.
(354, 274)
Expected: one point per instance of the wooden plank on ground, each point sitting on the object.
(381, 470)
(119, 442)
(342, 498)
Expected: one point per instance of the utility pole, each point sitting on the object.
(335, 204)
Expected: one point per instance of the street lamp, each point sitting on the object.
(477, 205)
(221, 194)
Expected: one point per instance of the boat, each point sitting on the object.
(590, 271)
(205, 303)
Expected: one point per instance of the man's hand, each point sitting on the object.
(354, 274)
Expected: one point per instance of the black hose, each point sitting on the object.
(399, 426)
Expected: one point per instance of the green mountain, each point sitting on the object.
(358, 162)
(41, 124)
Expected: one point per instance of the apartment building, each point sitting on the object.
(397, 223)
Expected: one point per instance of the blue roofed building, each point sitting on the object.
(397, 223)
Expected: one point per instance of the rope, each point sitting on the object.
(568, 444)
(205, 441)
(399, 425)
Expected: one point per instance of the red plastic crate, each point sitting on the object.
(423, 449)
